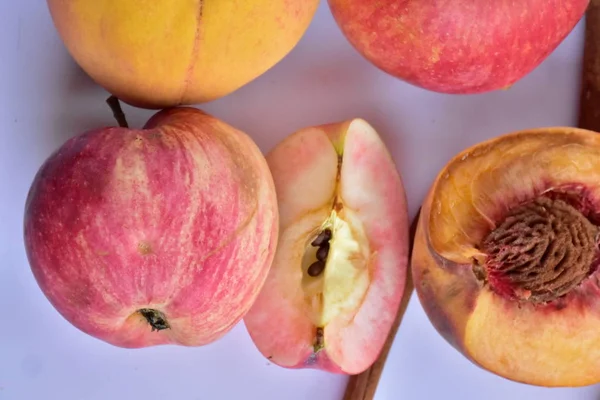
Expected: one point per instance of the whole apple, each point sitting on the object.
(460, 46)
(153, 236)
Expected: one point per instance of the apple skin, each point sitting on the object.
(179, 217)
(310, 168)
(157, 54)
(457, 47)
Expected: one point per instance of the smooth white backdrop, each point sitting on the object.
(46, 98)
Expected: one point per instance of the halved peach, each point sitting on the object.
(340, 267)
(506, 255)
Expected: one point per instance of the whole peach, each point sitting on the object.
(159, 53)
(457, 46)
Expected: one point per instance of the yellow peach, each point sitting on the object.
(157, 53)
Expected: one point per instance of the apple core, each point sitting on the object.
(344, 279)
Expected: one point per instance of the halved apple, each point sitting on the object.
(340, 267)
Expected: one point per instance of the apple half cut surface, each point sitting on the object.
(339, 272)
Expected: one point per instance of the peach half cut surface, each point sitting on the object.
(506, 254)
(340, 268)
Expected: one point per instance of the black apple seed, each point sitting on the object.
(323, 252)
(316, 268)
(323, 237)
(319, 240)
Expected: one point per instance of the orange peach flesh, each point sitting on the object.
(549, 344)
(341, 177)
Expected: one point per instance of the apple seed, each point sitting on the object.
(323, 252)
(323, 237)
(316, 268)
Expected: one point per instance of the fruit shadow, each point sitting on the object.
(301, 92)
(537, 100)
(453, 123)
(596, 391)
(80, 105)
(74, 94)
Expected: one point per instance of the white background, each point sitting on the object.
(46, 99)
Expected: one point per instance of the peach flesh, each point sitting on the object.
(542, 328)
(338, 177)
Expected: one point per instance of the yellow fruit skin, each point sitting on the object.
(160, 53)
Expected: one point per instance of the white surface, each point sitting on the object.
(46, 99)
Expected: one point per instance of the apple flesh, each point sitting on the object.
(505, 260)
(460, 46)
(153, 236)
(157, 54)
(340, 267)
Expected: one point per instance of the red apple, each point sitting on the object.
(460, 46)
(153, 236)
(340, 267)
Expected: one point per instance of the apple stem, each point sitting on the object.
(115, 105)
(155, 318)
